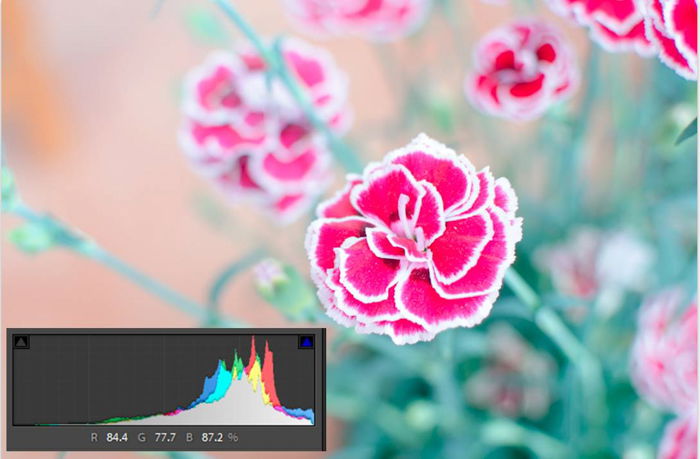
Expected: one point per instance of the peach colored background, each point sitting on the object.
(90, 116)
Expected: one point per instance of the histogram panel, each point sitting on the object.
(142, 380)
(109, 379)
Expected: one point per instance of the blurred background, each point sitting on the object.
(90, 116)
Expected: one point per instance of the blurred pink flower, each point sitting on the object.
(515, 379)
(244, 131)
(378, 20)
(672, 26)
(617, 25)
(418, 244)
(664, 354)
(591, 259)
(680, 440)
(521, 69)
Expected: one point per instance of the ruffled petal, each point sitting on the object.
(404, 331)
(504, 196)
(430, 223)
(366, 276)
(411, 251)
(421, 303)
(224, 138)
(682, 21)
(378, 197)
(459, 248)
(433, 162)
(482, 194)
(339, 205)
(327, 234)
(293, 170)
(381, 246)
(487, 274)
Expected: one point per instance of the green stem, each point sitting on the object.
(277, 67)
(589, 368)
(226, 276)
(522, 290)
(71, 239)
(571, 174)
(505, 432)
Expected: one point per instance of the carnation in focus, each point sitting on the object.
(416, 245)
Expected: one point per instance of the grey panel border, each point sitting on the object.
(251, 438)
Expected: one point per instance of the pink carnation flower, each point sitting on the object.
(664, 354)
(418, 244)
(680, 440)
(617, 25)
(521, 69)
(246, 133)
(379, 20)
(672, 26)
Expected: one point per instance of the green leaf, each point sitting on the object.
(689, 131)
(32, 238)
(205, 26)
(9, 190)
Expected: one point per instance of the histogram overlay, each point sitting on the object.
(164, 380)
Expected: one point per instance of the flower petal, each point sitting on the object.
(680, 439)
(482, 193)
(367, 312)
(339, 205)
(223, 137)
(409, 247)
(327, 298)
(327, 234)
(365, 275)
(378, 197)
(404, 331)
(459, 248)
(431, 216)
(504, 196)
(381, 246)
(487, 274)
(421, 303)
(288, 207)
(682, 22)
(435, 163)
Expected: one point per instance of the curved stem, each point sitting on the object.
(277, 67)
(71, 239)
(223, 279)
(589, 368)
(505, 432)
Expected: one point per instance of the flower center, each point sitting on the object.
(524, 68)
(405, 227)
(262, 94)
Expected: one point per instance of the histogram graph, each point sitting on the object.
(166, 380)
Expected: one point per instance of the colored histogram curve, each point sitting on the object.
(261, 377)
